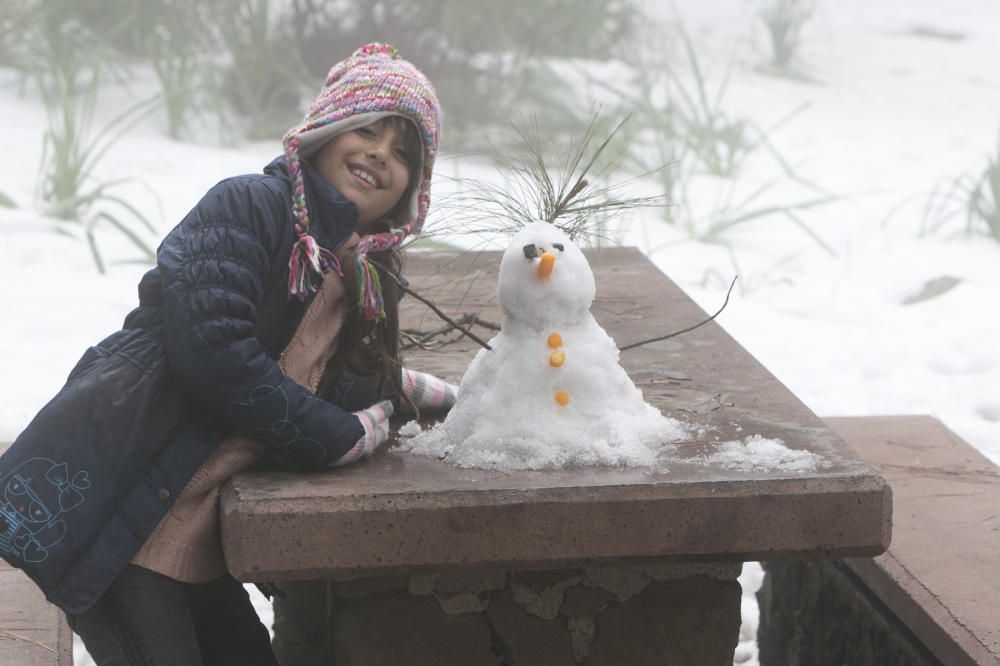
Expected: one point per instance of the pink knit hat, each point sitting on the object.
(371, 84)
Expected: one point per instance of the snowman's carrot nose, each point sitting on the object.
(545, 264)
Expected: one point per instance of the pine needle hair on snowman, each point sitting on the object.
(550, 392)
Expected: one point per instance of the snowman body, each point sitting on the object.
(551, 392)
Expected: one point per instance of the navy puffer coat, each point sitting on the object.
(88, 480)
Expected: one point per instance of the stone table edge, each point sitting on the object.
(245, 520)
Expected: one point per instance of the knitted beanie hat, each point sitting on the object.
(371, 84)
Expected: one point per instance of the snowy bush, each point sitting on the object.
(68, 65)
(983, 205)
(264, 78)
(783, 21)
(684, 139)
(972, 197)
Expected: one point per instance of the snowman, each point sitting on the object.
(550, 393)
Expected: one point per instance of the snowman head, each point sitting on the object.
(544, 278)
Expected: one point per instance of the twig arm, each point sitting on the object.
(448, 319)
(433, 307)
(689, 328)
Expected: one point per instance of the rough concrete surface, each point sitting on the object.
(33, 632)
(817, 614)
(941, 575)
(685, 617)
(688, 621)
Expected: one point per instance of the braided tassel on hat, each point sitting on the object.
(369, 284)
(308, 261)
(370, 290)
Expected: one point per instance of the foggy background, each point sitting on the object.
(842, 158)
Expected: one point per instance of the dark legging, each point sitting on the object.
(147, 619)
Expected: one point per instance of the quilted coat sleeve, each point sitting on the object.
(215, 267)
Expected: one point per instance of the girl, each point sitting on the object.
(267, 325)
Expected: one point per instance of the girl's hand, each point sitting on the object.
(427, 391)
(375, 421)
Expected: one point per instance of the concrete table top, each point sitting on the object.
(397, 512)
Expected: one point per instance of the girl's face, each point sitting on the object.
(370, 165)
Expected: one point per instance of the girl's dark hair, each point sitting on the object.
(370, 350)
(367, 349)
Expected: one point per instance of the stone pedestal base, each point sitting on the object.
(818, 613)
(599, 616)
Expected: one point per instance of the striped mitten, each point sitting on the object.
(375, 421)
(427, 391)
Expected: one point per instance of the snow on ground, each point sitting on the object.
(897, 107)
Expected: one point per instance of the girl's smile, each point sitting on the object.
(366, 175)
(370, 166)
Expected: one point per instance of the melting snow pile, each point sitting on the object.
(551, 392)
(760, 453)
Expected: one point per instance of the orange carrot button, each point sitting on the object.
(562, 398)
(555, 341)
(545, 264)
(557, 358)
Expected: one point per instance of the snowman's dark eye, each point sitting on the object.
(530, 251)
(558, 246)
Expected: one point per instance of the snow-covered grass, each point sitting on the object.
(902, 97)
